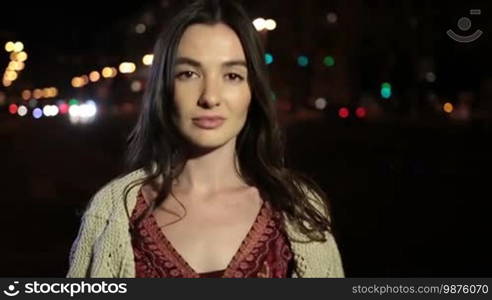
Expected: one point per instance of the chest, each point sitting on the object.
(208, 233)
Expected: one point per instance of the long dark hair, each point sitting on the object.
(156, 145)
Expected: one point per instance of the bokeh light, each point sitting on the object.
(127, 67)
(320, 103)
(303, 61)
(37, 94)
(9, 46)
(18, 46)
(360, 112)
(148, 59)
(37, 113)
(270, 24)
(448, 107)
(259, 24)
(94, 76)
(13, 108)
(140, 28)
(329, 61)
(136, 86)
(343, 113)
(386, 90)
(22, 111)
(26, 94)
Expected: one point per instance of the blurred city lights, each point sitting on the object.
(85, 79)
(270, 24)
(37, 113)
(54, 92)
(74, 110)
(259, 24)
(37, 94)
(63, 108)
(13, 108)
(18, 46)
(10, 75)
(73, 102)
(94, 76)
(448, 107)
(127, 67)
(77, 82)
(147, 59)
(140, 28)
(136, 86)
(6, 82)
(21, 56)
(106, 72)
(50, 110)
(114, 72)
(19, 66)
(26, 94)
(82, 113)
(268, 58)
(360, 112)
(46, 93)
(329, 61)
(386, 90)
(88, 110)
(343, 112)
(9, 46)
(332, 17)
(22, 111)
(320, 103)
(12, 65)
(47, 110)
(303, 61)
(430, 77)
(33, 103)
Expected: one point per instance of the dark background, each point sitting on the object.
(409, 183)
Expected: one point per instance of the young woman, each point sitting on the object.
(207, 193)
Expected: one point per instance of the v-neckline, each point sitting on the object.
(247, 244)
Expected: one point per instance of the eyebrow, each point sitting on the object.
(197, 64)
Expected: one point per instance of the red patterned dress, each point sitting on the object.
(265, 252)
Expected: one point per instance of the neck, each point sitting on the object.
(210, 171)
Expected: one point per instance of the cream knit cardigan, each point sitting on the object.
(103, 246)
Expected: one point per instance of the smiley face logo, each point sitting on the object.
(11, 290)
(464, 24)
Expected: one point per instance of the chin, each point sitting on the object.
(208, 142)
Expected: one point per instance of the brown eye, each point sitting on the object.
(235, 77)
(185, 75)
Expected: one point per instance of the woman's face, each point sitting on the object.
(212, 94)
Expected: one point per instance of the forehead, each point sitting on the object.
(210, 43)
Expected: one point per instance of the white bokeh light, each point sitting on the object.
(259, 24)
(22, 111)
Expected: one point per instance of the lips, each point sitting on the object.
(208, 122)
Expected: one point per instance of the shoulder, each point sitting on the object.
(108, 196)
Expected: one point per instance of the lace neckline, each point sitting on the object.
(249, 242)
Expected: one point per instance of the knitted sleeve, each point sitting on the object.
(327, 256)
(81, 252)
(92, 224)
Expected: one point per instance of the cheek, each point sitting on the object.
(242, 103)
(183, 98)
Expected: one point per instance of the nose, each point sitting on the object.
(211, 93)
